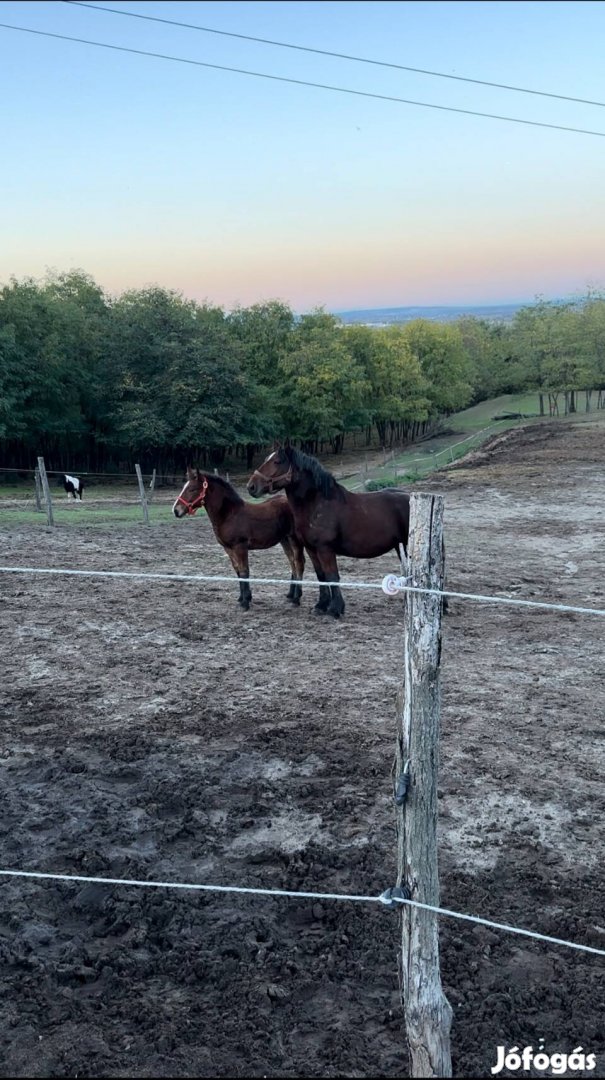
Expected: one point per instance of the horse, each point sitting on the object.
(240, 527)
(73, 486)
(330, 520)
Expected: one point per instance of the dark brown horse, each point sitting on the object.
(330, 520)
(241, 528)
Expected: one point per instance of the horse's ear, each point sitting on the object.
(276, 444)
(289, 449)
(198, 474)
(190, 473)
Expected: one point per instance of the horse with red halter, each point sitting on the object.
(240, 527)
(330, 520)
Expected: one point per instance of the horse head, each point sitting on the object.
(193, 494)
(274, 474)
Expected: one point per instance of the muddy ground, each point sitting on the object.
(153, 730)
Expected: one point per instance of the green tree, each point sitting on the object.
(323, 390)
(553, 350)
(488, 348)
(397, 394)
(445, 364)
(180, 380)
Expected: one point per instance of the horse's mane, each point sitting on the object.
(221, 482)
(322, 479)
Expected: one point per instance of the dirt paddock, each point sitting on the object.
(153, 730)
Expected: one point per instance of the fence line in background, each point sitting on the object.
(410, 466)
(62, 472)
(349, 475)
(386, 585)
(452, 447)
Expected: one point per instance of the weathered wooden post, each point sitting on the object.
(142, 494)
(46, 489)
(428, 1014)
(38, 484)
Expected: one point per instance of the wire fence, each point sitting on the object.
(388, 898)
(390, 585)
(393, 461)
(67, 472)
(411, 469)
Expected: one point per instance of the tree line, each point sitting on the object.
(95, 382)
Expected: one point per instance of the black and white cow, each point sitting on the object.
(73, 486)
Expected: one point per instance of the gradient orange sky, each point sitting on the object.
(234, 190)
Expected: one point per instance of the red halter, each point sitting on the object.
(196, 503)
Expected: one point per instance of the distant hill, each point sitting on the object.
(385, 316)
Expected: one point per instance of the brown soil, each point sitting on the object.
(154, 730)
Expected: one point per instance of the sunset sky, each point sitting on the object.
(237, 189)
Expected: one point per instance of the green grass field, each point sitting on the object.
(480, 416)
(102, 505)
(88, 518)
(459, 433)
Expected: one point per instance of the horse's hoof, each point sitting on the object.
(319, 610)
(296, 601)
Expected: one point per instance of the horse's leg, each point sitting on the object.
(296, 557)
(336, 606)
(239, 562)
(299, 567)
(289, 550)
(324, 592)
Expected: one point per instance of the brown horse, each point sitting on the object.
(330, 520)
(241, 528)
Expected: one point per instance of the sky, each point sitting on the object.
(235, 189)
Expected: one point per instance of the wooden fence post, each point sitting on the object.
(151, 486)
(38, 484)
(428, 1014)
(46, 489)
(142, 494)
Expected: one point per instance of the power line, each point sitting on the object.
(300, 82)
(337, 55)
